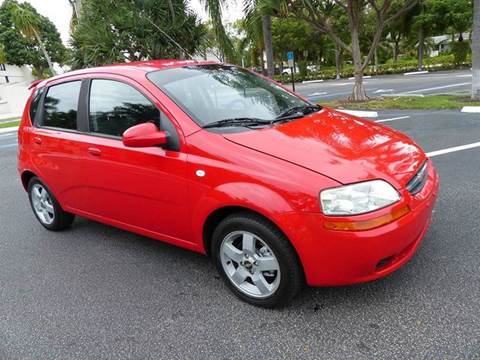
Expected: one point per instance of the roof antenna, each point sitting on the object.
(168, 37)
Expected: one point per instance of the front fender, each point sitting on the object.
(250, 196)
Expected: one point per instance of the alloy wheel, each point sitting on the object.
(250, 264)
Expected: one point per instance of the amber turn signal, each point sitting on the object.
(367, 224)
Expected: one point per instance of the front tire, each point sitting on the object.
(46, 208)
(256, 261)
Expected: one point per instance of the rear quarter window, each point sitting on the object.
(37, 95)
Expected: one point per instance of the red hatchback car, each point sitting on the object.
(216, 159)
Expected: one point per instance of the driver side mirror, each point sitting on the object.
(144, 135)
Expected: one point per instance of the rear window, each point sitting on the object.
(61, 105)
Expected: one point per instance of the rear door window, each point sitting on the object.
(61, 105)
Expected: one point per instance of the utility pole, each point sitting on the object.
(421, 41)
(476, 51)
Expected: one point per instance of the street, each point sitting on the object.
(442, 82)
(97, 292)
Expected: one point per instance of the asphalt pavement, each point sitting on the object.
(96, 292)
(442, 82)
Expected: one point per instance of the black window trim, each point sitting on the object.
(38, 92)
(40, 115)
(83, 111)
(88, 87)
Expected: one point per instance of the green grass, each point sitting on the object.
(435, 102)
(9, 124)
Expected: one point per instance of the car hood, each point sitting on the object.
(343, 147)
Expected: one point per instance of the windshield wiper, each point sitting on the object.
(297, 111)
(242, 121)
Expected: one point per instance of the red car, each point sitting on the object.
(219, 160)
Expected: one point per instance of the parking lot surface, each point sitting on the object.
(442, 82)
(96, 292)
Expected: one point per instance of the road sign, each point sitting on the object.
(290, 58)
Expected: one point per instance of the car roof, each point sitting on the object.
(130, 68)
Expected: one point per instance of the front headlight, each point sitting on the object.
(358, 198)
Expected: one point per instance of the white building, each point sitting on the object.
(14, 82)
(443, 43)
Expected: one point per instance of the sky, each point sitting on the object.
(60, 12)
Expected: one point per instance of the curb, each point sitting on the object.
(359, 113)
(312, 81)
(402, 95)
(8, 129)
(416, 72)
(365, 77)
(471, 109)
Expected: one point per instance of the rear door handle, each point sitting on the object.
(94, 151)
(37, 140)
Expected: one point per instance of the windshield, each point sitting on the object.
(210, 93)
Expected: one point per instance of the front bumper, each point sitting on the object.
(347, 257)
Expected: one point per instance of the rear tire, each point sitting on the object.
(46, 208)
(256, 261)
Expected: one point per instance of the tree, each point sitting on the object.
(28, 23)
(76, 8)
(400, 28)
(214, 9)
(314, 11)
(28, 38)
(129, 30)
(267, 40)
(476, 51)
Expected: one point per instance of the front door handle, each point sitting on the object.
(37, 140)
(94, 151)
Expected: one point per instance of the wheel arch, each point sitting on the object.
(26, 176)
(219, 214)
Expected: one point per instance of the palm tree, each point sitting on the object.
(214, 9)
(476, 51)
(27, 22)
(76, 6)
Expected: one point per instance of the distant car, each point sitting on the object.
(218, 160)
(288, 71)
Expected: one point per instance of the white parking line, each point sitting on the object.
(9, 129)
(11, 134)
(7, 146)
(436, 88)
(359, 113)
(453, 149)
(392, 119)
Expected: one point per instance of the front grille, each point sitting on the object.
(417, 182)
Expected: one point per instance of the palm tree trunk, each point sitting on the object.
(421, 40)
(338, 62)
(476, 51)
(45, 53)
(267, 39)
